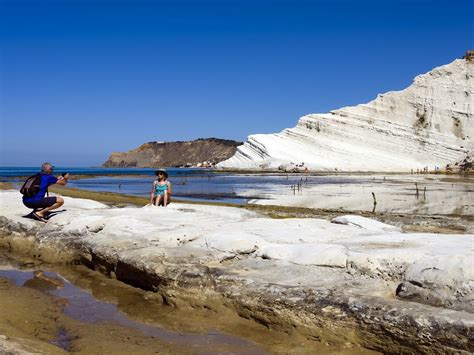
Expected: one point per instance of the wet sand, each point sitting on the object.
(6, 185)
(34, 319)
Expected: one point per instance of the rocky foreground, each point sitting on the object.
(350, 280)
(430, 125)
(200, 153)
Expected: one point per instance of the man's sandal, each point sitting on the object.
(38, 218)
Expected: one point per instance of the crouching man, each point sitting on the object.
(35, 188)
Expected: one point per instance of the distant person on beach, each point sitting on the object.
(161, 189)
(35, 188)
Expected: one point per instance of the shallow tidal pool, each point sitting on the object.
(74, 309)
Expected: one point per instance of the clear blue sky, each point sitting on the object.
(80, 79)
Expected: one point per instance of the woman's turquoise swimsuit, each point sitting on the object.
(160, 189)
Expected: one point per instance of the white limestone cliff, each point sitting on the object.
(429, 124)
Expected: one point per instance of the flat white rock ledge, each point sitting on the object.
(352, 242)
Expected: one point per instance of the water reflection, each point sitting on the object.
(402, 194)
(437, 194)
(84, 307)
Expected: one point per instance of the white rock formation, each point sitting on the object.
(348, 242)
(428, 124)
(307, 272)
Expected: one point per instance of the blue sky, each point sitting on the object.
(80, 79)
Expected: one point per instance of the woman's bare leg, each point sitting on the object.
(158, 200)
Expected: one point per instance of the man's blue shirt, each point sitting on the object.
(46, 180)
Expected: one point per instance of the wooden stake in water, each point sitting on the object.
(417, 192)
(375, 202)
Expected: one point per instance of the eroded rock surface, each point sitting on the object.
(332, 280)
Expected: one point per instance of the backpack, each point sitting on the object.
(31, 186)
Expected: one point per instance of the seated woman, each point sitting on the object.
(161, 189)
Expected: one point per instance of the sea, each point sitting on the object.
(405, 193)
(187, 183)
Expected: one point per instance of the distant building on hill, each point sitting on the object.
(469, 55)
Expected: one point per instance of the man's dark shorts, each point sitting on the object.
(41, 203)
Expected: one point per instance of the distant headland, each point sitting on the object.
(202, 152)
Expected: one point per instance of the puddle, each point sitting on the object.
(73, 308)
(63, 340)
(84, 307)
(414, 194)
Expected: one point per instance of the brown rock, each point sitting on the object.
(175, 154)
